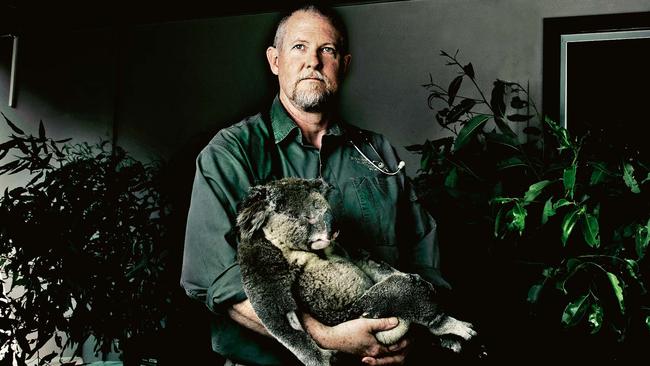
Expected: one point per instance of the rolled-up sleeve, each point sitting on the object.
(210, 272)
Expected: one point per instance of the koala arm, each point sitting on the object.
(376, 270)
(268, 280)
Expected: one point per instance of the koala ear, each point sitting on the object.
(322, 186)
(253, 211)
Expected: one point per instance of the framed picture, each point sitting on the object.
(597, 76)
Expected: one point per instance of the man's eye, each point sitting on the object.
(299, 47)
(329, 50)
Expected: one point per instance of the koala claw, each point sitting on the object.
(294, 322)
(451, 344)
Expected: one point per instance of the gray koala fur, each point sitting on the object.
(291, 264)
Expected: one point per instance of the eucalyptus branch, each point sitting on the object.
(455, 62)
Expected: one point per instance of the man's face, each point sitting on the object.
(308, 62)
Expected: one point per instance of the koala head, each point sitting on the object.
(291, 212)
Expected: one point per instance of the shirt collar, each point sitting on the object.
(283, 124)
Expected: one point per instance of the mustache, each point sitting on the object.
(312, 75)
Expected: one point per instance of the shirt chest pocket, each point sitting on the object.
(368, 214)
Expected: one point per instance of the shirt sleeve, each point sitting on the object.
(210, 272)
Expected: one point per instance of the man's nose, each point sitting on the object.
(313, 59)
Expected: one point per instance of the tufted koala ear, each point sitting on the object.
(322, 186)
(253, 211)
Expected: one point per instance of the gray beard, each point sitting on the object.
(311, 100)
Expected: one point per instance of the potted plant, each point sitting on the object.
(81, 247)
(552, 229)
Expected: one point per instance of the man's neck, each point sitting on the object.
(313, 125)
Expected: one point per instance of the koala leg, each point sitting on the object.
(409, 297)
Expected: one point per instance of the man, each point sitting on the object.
(303, 136)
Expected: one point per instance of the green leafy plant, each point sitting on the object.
(80, 247)
(569, 218)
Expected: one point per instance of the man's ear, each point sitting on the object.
(272, 55)
(346, 63)
(253, 211)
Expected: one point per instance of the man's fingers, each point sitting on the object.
(399, 345)
(388, 360)
(377, 325)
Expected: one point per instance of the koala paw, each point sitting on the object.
(452, 326)
(391, 336)
(451, 344)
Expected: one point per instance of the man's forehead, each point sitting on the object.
(303, 24)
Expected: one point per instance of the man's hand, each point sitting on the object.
(358, 337)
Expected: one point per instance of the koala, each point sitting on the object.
(290, 263)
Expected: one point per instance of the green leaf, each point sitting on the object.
(502, 139)
(41, 131)
(595, 318)
(9, 166)
(511, 162)
(572, 266)
(561, 203)
(470, 129)
(453, 89)
(463, 107)
(534, 190)
(518, 103)
(647, 321)
(496, 101)
(590, 229)
(504, 127)
(414, 148)
(533, 293)
(548, 210)
(618, 290)
(531, 130)
(501, 200)
(598, 174)
(628, 177)
(633, 268)
(560, 133)
(519, 117)
(642, 239)
(469, 70)
(549, 272)
(517, 218)
(568, 223)
(13, 126)
(569, 178)
(425, 161)
(498, 222)
(46, 360)
(575, 311)
(452, 178)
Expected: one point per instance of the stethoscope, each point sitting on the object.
(381, 167)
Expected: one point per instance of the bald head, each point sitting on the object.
(326, 13)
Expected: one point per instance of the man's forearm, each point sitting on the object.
(244, 315)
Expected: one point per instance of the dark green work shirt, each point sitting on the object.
(373, 210)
